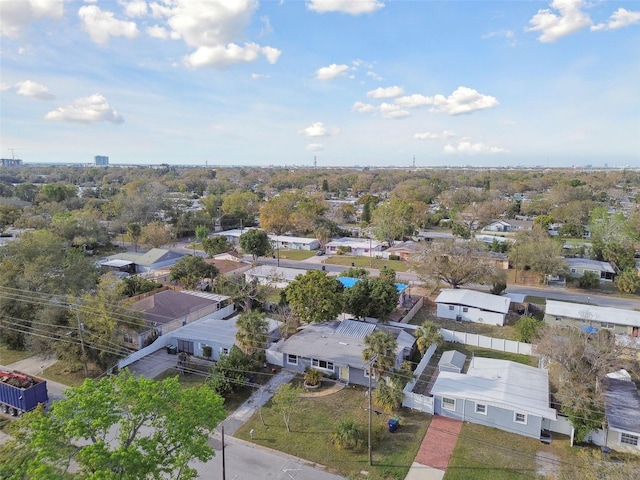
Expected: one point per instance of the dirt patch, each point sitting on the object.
(547, 464)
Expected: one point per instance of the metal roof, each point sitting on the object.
(586, 313)
(354, 328)
(500, 383)
(471, 298)
(622, 404)
(452, 358)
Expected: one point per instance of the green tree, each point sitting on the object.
(312, 377)
(388, 394)
(498, 282)
(611, 239)
(243, 294)
(135, 285)
(461, 230)
(315, 297)
(117, 427)
(355, 272)
(284, 402)
(371, 297)
(229, 373)
(392, 221)
(536, 251)
(589, 280)
(202, 232)
(133, 232)
(628, 281)
(527, 329)
(255, 242)
(380, 350)
(241, 206)
(366, 213)
(426, 335)
(276, 214)
(216, 245)
(156, 234)
(348, 435)
(387, 274)
(252, 331)
(455, 263)
(543, 220)
(190, 270)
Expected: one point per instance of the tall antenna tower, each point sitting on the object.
(414, 161)
(315, 162)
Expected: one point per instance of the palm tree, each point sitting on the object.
(251, 331)
(427, 334)
(348, 434)
(313, 377)
(380, 351)
(388, 395)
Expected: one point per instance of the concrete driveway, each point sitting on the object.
(154, 364)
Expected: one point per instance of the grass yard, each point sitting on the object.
(71, 375)
(8, 356)
(484, 453)
(471, 351)
(297, 255)
(507, 332)
(366, 262)
(313, 422)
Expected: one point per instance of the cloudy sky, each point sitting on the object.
(350, 82)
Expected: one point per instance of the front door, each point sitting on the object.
(185, 346)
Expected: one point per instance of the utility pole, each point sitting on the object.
(223, 466)
(80, 330)
(370, 369)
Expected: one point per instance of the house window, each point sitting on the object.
(573, 270)
(450, 307)
(520, 418)
(224, 351)
(292, 359)
(481, 408)
(628, 439)
(608, 325)
(128, 338)
(448, 403)
(465, 309)
(322, 364)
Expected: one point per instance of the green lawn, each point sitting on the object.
(68, 375)
(471, 351)
(296, 254)
(366, 262)
(8, 356)
(313, 423)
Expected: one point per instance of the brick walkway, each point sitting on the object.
(439, 442)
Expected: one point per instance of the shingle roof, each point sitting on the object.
(622, 404)
(588, 313)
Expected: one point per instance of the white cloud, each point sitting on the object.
(29, 88)
(393, 112)
(375, 76)
(466, 147)
(331, 72)
(213, 28)
(315, 147)
(463, 100)
(316, 129)
(619, 19)
(415, 100)
(100, 25)
(352, 7)
(434, 136)
(258, 76)
(361, 107)
(92, 109)
(552, 26)
(388, 92)
(157, 31)
(5, 86)
(134, 8)
(17, 14)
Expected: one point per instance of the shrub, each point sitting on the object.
(527, 329)
(313, 377)
(344, 249)
(589, 280)
(394, 257)
(348, 435)
(207, 351)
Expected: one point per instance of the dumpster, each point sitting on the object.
(172, 349)
(394, 423)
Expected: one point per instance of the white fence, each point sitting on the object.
(491, 343)
(418, 401)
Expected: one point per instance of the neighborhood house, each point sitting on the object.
(471, 306)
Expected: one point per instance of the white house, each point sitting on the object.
(139, 262)
(579, 266)
(622, 411)
(471, 306)
(496, 393)
(277, 277)
(362, 247)
(278, 241)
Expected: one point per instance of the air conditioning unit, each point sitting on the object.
(458, 318)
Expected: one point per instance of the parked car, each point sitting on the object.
(320, 253)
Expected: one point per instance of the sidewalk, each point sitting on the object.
(257, 399)
(434, 454)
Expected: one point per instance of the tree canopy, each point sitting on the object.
(315, 297)
(256, 243)
(190, 270)
(252, 331)
(117, 427)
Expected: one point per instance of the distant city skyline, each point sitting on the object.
(370, 83)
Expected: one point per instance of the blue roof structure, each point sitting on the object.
(349, 282)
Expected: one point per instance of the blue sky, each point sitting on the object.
(350, 82)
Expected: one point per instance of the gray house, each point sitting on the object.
(591, 318)
(138, 262)
(496, 393)
(335, 348)
(622, 411)
(579, 266)
(219, 334)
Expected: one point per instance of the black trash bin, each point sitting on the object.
(172, 349)
(393, 425)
